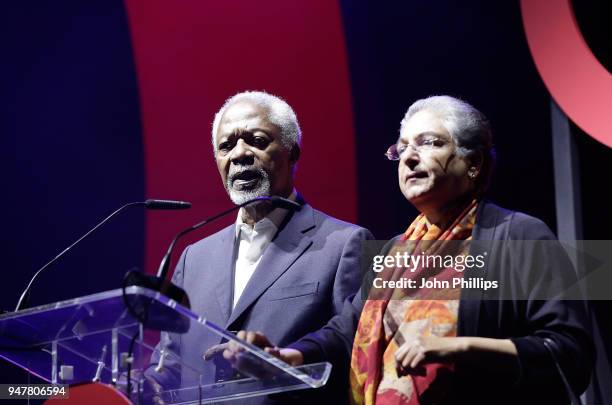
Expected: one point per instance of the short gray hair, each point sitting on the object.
(469, 128)
(279, 113)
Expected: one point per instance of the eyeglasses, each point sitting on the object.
(395, 151)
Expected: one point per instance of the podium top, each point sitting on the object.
(89, 338)
(76, 317)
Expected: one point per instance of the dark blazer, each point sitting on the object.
(525, 320)
(304, 276)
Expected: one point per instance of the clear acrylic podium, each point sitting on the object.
(97, 339)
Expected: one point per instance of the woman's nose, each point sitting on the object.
(410, 157)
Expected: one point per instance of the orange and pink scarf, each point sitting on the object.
(390, 320)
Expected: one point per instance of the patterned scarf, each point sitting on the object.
(396, 315)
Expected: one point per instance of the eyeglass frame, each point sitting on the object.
(427, 144)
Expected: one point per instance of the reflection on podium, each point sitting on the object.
(96, 345)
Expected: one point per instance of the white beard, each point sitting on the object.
(241, 196)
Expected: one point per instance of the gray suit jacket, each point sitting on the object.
(307, 271)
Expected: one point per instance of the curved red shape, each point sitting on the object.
(579, 84)
(191, 55)
(91, 394)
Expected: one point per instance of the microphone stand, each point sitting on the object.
(150, 204)
(162, 319)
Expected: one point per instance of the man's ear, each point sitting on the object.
(294, 155)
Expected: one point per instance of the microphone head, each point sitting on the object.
(281, 202)
(166, 205)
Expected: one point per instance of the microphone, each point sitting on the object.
(166, 205)
(159, 282)
(149, 204)
(281, 202)
(276, 201)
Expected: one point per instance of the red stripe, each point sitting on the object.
(191, 55)
(576, 80)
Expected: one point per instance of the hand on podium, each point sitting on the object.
(248, 364)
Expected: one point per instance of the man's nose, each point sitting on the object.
(242, 153)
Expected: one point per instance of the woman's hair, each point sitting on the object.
(469, 128)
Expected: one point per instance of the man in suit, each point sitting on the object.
(285, 272)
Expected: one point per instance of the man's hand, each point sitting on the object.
(234, 353)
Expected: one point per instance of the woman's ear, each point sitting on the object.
(476, 160)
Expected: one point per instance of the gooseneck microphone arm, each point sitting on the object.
(150, 204)
(162, 317)
(275, 200)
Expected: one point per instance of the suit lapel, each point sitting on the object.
(222, 266)
(288, 245)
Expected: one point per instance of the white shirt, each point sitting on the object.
(251, 243)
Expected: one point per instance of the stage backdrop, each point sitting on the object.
(106, 102)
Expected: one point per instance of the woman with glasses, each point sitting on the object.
(407, 343)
